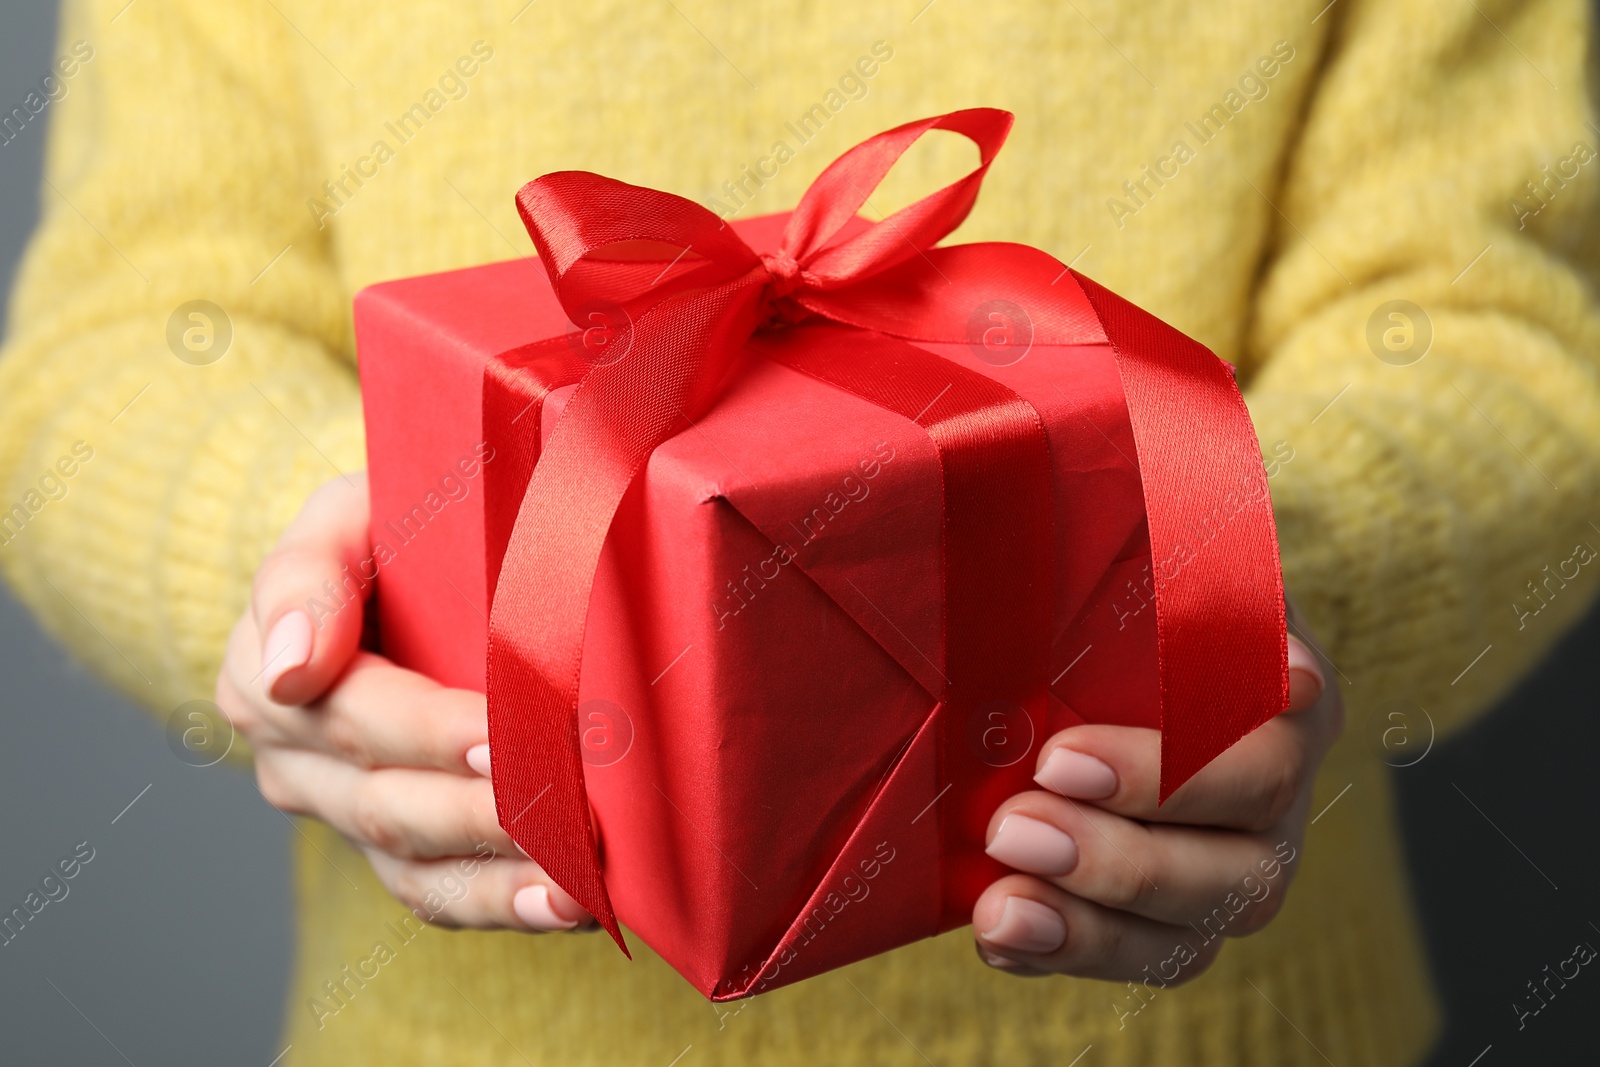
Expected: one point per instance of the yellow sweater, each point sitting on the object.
(1266, 175)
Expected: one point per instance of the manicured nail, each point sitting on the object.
(288, 645)
(1033, 846)
(1028, 926)
(1311, 681)
(478, 759)
(1075, 774)
(994, 959)
(532, 905)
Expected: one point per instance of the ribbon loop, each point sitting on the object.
(846, 185)
(607, 241)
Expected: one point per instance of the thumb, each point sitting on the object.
(309, 593)
(1306, 680)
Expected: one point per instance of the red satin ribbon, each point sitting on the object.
(694, 296)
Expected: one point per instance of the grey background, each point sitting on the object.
(173, 945)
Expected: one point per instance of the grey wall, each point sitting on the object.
(172, 945)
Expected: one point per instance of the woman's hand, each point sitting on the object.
(397, 763)
(1114, 887)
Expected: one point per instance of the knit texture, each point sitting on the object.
(1263, 174)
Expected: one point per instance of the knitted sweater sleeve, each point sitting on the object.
(1428, 394)
(147, 458)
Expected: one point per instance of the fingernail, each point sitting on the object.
(567, 909)
(1033, 846)
(1312, 682)
(1028, 926)
(532, 905)
(478, 759)
(288, 645)
(1075, 774)
(994, 959)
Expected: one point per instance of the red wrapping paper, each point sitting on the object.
(777, 787)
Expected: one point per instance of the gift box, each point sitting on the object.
(781, 546)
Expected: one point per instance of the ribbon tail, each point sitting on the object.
(1213, 542)
(620, 413)
(575, 864)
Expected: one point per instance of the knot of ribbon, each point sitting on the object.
(785, 272)
(694, 297)
(786, 276)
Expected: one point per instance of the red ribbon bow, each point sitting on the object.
(694, 297)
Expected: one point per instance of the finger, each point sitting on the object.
(410, 814)
(1042, 929)
(236, 694)
(381, 715)
(308, 593)
(484, 890)
(1215, 880)
(1249, 787)
(1306, 680)
(377, 714)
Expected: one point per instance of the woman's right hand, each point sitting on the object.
(392, 760)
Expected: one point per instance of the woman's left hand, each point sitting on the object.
(1113, 887)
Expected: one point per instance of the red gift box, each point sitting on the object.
(803, 534)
